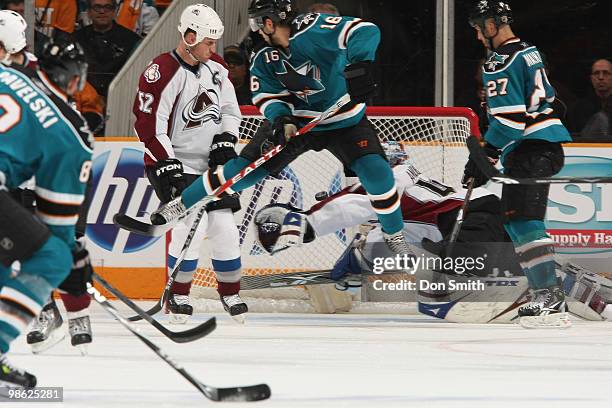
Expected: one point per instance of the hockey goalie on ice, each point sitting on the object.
(488, 290)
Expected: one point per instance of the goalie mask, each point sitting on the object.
(395, 153)
(280, 226)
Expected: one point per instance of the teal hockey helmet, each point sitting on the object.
(499, 11)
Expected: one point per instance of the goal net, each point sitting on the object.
(434, 139)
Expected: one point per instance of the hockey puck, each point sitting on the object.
(321, 195)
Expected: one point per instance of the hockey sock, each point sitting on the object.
(184, 278)
(535, 250)
(228, 276)
(74, 303)
(209, 181)
(18, 307)
(377, 179)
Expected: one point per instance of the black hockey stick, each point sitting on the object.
(248, 393)
(460, 217)
(185, 336)
(158, 306)
(486, 167)
(129, 223)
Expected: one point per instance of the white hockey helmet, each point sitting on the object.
(203, 20)
(12, 31)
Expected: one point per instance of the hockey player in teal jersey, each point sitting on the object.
(307, 63)
(526, 132)
(42, 137)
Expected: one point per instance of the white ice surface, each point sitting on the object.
(336, 361)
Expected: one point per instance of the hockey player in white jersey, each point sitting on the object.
(188, 117)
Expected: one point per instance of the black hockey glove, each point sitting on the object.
(167, 179)
(81, 271)
(360, 81)
(222, 149)
(283, 129)
(472, 171)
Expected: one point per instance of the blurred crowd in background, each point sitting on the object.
(573, 35)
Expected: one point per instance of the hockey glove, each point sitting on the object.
(81, 272)
(222, 149)
(167, 179)
(360, 83)
(283, 129)
(471, 168)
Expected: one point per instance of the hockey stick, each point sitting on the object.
(126, 222)
(484, 165)
(158, 306)
(460, 216)
(248, 393)
(186, 336)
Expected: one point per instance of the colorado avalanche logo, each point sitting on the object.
(152, 74)
(202, 108)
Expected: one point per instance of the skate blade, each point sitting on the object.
(551, 321)
(240, 319)
(42, 346)
(82, 348)
(178, 318)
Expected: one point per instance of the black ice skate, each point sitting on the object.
(80, 330)
(546, 309)
(46, 330)
(13, 377)
(235, 306)
(179, 308)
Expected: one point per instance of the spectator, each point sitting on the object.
(324, 8)
(14, 5)
(597, 101)
(107, 45)
(239, 73)
(139, 16)
(53, 15)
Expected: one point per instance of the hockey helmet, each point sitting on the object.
(12, 31)
(276, 10)
(62, 59)
(497, 10)
(203, 20)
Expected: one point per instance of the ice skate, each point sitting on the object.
(46, 330)
(548, 309)
(235, 306)
(179, 308)
(13, 377)
(168, 212)
(80, 330)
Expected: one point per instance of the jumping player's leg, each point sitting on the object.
(359, 148)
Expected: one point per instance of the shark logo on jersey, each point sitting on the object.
(202, 108)
(304, 21)
(496, 59)
(302, 81)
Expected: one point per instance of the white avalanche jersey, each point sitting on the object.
(422, 201)
(179, 108)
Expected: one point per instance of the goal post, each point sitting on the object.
(434, 138)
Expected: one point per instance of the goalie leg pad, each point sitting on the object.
(21, 233)
(532, 158)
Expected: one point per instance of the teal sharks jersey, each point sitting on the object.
(519, 97)
(42, 136)
(308, 77)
